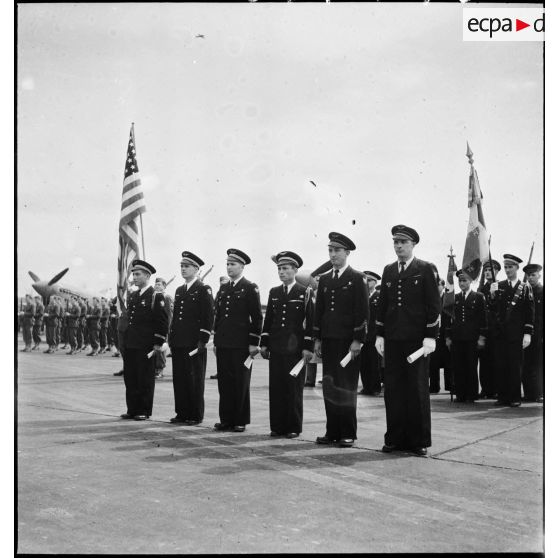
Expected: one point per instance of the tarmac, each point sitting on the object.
(89, 482)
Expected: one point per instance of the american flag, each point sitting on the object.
(133, 205)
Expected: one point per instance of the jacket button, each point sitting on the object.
(398, 304)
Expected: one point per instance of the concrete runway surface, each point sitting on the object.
(89, 482)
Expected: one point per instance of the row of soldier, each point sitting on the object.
(334, 327)
(75, 322)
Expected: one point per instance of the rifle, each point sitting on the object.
(490, 260)
(530, 258)
(206, 273)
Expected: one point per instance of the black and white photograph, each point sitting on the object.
(279, 278)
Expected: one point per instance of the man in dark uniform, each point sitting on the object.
(487, 357)
(146, 332)
(223, 280)
(190, 331)
(103, 323)
(465, 337)
(440, 358)
(81, 332)
(51, 318)
(161, 357)
(59, 321)
(94, 326)
(408, 320)
(38, 321)
(72, 318)
(28, 317)
(286, 339)
(369, 359)
(113, 323)
(340, 323)
(513, 304)
(533, 363)
(238, 323)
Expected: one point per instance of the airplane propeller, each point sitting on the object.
(33, 276)
(57, 277)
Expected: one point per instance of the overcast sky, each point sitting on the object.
(372, 102)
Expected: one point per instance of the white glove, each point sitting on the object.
(493, 288)
(380, 345)
(526, 340)
(429, 345)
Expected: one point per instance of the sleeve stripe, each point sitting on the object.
(433, 324)
(205, 331)
(161, 336)
(379, 323)
(255, 335)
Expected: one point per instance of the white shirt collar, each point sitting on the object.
(290, 286)
(190, 283)
(144, 289)
(513, 283)
(466, 293)
(340, 270)
(407, 263)
(237, 280)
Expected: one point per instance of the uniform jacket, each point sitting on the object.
(409, 306)
(105, 313)
(148, 322)
(238, 315)
(39, 312)
(469, 320)
(287, 327)
(514, 308)
(73, 314)
(51, 314)
(28, 314)
(538, 295)
(373, 301)
(93, 318)
(490, 315)
(192, 317)
(342, 306)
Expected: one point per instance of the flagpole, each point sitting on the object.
(141, 219)
(530, 258)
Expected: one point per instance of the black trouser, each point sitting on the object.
(51, 334)
(339, 387)
(370, 368)
(103, 337)
(188, 382)
(488, 367)
(285, 394)
(37, 333)
(464, 360)
(509, 357)
(233, 381)
(139, 379)
(72, 330)
(57, 333)
(94, 338)
(533, 369)
(406, 396)
(27, 333)
(311, 371)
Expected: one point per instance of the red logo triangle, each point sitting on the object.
(519, 25)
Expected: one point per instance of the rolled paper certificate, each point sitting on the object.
(164, 349)
(248, 362)
(150, 354)
(297, 368)
(194, 352)
(416, 355)
(346, 360)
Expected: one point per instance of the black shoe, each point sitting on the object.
(376, 394)
(515, 404)
(459, 400)
(421, 452)
(214, 377)
(120, 373)
(387, 448)
(93, 353)
(221, 426)
(346, 442)
(324, 440)
(239, 428)
(539, 399)
(274, 434)
(116, 355)
(434, 391)
(141, 417)
(177, 419)
(499, 403)
(193, 422)
(126, 416)
(319, 381)
(292, 435)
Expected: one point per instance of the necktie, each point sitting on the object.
(231, 284)
(336, 274)
(285, 289)
(510, 283)
(401, 267)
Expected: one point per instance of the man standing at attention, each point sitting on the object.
(340, 325)
(408, 319)
(286, 339)
(238, 324)
(146, 332)
(190, 331)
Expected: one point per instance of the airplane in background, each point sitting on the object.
(308, 279)
(48, 288)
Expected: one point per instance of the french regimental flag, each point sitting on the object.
(476, 243)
